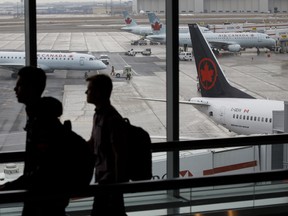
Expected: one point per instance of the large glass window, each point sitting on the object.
(129, 44)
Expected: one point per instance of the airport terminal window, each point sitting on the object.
(154, 71)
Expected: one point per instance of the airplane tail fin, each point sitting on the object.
(129, 21)
(156, 25)
(212, 80)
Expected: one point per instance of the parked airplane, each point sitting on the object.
(50, 61)
(232, 42)
(133, 27)
(224, 104)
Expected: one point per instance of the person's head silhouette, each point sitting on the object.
(99, 90)
(30, 84)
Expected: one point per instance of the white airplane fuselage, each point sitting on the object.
(50, 61)
(242, 116)
(228, 41)
(245, 40)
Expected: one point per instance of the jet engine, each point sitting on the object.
(234, 48)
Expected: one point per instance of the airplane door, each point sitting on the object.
(81, 61)
(259, 38)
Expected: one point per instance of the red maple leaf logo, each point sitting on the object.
(128, 20)
(207, 73)
(156, 26)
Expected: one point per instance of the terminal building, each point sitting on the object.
(215, 6)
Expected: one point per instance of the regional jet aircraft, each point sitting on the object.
(50, 61)
(232, 42)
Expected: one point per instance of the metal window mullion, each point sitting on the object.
(30, 32)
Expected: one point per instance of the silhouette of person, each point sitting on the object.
(106, 143)
(112, 71)
(42, 172)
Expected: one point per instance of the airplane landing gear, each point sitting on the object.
(86, 75)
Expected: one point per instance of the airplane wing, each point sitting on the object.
(45, 68)
(220, 44)
(198, 101)
(13, 67)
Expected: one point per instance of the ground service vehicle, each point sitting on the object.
(133, 52)
(104, 58)
(185, 56)
(139, 42)
(125, 73)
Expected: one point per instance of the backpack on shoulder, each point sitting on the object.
(82, 159)
(139, 154)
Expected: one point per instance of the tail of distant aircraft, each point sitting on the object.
(212, 80)
(129, 21)
(156, 25)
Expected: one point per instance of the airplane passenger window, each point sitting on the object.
(244, 117)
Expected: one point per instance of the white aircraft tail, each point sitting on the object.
(129, 21)
(156, 25)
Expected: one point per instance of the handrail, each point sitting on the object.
(186, 145)
(178, 183)
(220, 142)
(167, 184)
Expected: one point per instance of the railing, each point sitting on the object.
(183, 183)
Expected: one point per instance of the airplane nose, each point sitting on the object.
(101, 65)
